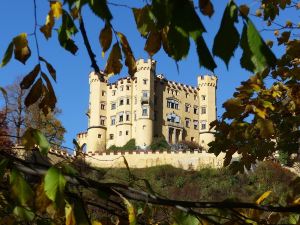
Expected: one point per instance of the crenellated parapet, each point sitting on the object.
(148, 64)
(207, 80)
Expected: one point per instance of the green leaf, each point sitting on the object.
(161, 10)
(100, 8)
(33, 137)
(175, 44)
(30, 77)
(227, 38)
(182, 218)
(256, 54)
(65, 32)
(129, 58)
(294, 218)
(153, 43)
(105, 38)
(24, 213)
(50, 68)
(20, 188)
(205, 57)
(34, 93)
(8, 54)
(143, 20)
(55, 185)
(131, 211)
(80, 213)
(114, 65)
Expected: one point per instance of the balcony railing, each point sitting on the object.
(174, 124)
(145, 99)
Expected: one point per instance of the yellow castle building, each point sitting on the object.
(145, 106)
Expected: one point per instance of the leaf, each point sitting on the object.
(206, 7)
(183, 218)
(24, 213)
(30, 78)
(143, 20)
(263, 197)
(55, 185)
(129, 58)
(8, 54)
(256, 54)
(244, 10)
(204, 56)
(3, 164)
(56, 9)
(32, 137)
(54, 13)
(69, 214)
(22, 51)
(175, 44)
(100, 8)
(114, 65)
(153, 43)
(265, 127)
(20, 188)
(51, 98)
(130, 210)
(65, 32)
(50, 68)
(105, 38)
(34, 93)
(224, 44)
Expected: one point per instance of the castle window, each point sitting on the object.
(113, 120)
(192, 139)
(203, 97)
(127, 117)
(103, 93)
(145, 111)
(196, 110)
(187, 122)
(195, 124)
(121, 118)
(186, 95)
(122, 88)
(187, 107)
(111, 137)
(203, 110)
(172, 117)
(145, 81)
(173, 104)
(120, 133)
(99, 135)
(121, 102)
(127, 87)
(195, 97)
(102, 120)
(145, 94)
(203, 125)
(102, 106)
(113, 92)
(127, 132)
(127, 101)
(113, 105)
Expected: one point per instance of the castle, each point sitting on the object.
(145, 106)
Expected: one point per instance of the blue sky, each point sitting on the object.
(72, 71)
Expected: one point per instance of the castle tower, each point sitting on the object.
(207, 107)
(96, 137)
(144, 78)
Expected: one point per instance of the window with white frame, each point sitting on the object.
(102, 120)
(145, 111)
(187, 122)
(196, 124)
(172, 117)
(203, 109)
(203, 125)
(187, 107)
(145, 94)
(113, 120)
(173, 104)
(113, 105)
(196, 110)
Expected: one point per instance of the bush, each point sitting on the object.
(191, 145)
(159, 143)
(130, 145)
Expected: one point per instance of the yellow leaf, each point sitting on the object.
(56, 9)
(296, 201)
(96, 223)
(69, 213)
(263, 197)
(22, 51)
(260, 112)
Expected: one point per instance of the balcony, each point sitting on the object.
(173, 124)
(145, 99)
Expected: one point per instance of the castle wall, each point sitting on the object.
(185, 160)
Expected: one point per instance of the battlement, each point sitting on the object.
(148, 64)
(94, 77)
(82, 135)
(207, 80)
